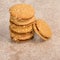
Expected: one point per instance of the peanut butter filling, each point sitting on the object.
(40, 32)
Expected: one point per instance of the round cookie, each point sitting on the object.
(23, 11)
(21, 21)
(21, 29)
(21, 37)
(42, 29)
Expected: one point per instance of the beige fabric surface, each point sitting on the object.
(35, 49)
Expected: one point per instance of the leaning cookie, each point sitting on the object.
(23, 11)
(20, 37)
(42, 29)
(22, 21)
(21, 29)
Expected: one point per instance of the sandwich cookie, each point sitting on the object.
(21, 21)
(21, 37)
(21, 29)
(42, 29)
(23, 11)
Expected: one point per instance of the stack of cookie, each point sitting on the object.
(21, 20)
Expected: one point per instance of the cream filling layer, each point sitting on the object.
(40, 32)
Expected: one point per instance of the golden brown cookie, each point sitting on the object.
(21, 37)
(23, 11)
(21, 21)
(42, 29)
(21, 29)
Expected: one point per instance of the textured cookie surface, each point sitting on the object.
(20, 37)
(21, 21)
(42, 29)
(23, 11)
(21, 29)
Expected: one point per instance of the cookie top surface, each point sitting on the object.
(22, 22)
(42, 28)
(23, 11)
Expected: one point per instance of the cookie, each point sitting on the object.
(42, 29)
(21, 21)
(21, 29)
(22, 11)
(21, 37)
